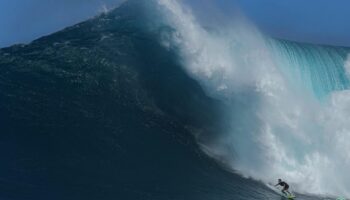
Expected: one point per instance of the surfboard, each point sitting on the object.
(278, 191)
(290, 196)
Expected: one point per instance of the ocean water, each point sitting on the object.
(144, 102)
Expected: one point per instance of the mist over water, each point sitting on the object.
(289, 102)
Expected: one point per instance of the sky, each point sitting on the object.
(21, 21)
(312, 21)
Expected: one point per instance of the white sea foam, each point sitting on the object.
(279, 129)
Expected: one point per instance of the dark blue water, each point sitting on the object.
(101, 110)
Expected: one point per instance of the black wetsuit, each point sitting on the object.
(284, 185)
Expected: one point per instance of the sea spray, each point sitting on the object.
(289, 102)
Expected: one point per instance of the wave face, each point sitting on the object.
(101, 110)
(288, 102)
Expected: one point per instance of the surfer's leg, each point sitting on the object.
(287, 192)
(284, 191)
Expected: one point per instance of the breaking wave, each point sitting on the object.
(289, 102)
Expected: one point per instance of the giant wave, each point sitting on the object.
(124, 105)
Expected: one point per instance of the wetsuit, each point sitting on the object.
(284, 185)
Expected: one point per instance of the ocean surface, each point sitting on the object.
(145, 103)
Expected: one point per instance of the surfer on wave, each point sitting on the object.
(285, 187)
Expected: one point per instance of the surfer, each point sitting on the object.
(285, 187)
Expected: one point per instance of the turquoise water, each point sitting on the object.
(318, 68)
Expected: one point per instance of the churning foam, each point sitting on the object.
(281, 128)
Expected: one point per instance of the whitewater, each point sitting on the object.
(289, 102)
